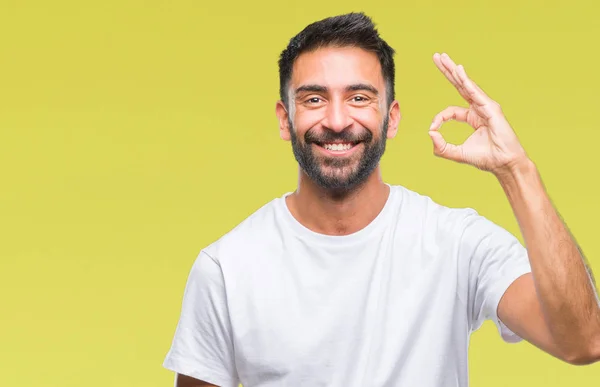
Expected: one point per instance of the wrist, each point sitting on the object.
(523, 185)
(519, 170)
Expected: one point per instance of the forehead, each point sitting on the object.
(337, 67)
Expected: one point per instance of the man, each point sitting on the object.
(350, 281)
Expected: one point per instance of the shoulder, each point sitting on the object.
(418, 207)
(455, 225)
(436, 224)
(255, 231)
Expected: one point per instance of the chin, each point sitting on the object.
(339, 183)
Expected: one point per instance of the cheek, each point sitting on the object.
(306, 120)
(368, 118)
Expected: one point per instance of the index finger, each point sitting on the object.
(475, 93)
(448, 70)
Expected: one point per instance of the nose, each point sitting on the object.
(337, 117)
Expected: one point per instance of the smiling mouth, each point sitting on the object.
(337, 146)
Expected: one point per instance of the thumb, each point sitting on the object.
(443, 149)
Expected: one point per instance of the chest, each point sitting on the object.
(339, 313)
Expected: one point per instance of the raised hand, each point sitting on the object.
(493, 146)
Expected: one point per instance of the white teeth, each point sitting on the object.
(337, 147)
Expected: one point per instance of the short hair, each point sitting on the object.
(348, 30)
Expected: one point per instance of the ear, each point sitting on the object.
(283, 117)
(394, 119)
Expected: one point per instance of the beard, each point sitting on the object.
(339, 174)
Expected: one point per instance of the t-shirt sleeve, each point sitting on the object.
(202, 347)
(496, 258)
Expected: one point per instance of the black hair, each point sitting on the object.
(348, 30)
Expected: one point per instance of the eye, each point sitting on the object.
(313, 102)
(360, 99)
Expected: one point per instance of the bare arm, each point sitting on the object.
(556, 307)
(188, 381)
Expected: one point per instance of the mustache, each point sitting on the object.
(312, 136)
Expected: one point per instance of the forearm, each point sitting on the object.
(563, 281)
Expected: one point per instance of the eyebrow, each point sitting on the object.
(363, 87)
(311, 89)
(323, 89)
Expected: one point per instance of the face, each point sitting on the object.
(337, 119)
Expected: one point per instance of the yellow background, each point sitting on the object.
(134, 133)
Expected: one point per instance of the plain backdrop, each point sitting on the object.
(134, 133)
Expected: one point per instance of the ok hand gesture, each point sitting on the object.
(494, 145)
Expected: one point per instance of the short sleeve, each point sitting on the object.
(496, 258)
(202, 347)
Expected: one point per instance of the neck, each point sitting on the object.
(335, 213)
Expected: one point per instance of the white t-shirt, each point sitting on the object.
(272, 303)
